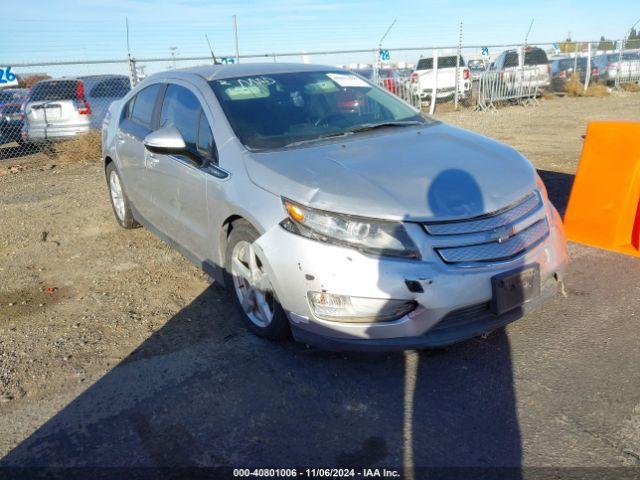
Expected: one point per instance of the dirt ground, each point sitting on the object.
(115, 350)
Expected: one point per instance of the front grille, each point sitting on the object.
(499, 236)
(494, 251)
(487, 222)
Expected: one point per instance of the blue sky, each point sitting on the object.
(76, 29)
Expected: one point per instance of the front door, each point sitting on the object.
(179, 182)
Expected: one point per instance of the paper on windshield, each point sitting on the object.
(347, 80)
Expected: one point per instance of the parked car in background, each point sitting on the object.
(55, 110)
(424, 78)
(537, 71)
(62, 108)
(387, 77)
(101, 91)
(367, 228)
(610, 66)
(11, 115)
(476, 67)
(562, 69)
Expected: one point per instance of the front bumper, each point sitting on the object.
(451, 308)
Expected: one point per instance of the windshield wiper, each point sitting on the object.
(362, 128)
(321, 137)
(373, 126)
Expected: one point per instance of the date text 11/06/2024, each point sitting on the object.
(317, 472)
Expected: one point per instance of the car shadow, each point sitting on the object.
(202, 392)
(559, 188)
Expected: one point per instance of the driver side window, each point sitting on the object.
(181, 109)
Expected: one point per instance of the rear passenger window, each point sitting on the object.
(142, 110)
(180, 108)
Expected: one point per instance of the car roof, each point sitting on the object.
(218, 72)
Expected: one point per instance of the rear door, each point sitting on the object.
(178, 182)
(137, 121)
(52, 103)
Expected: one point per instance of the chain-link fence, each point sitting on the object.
(46, 105)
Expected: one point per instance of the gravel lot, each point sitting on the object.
(115, 350)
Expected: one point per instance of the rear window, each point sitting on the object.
(443, 62)
(111, 88)
(535, 56)
(511, 59)
(54, 90)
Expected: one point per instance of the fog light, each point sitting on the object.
(344, 308)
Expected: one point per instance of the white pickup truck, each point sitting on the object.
(423, 78)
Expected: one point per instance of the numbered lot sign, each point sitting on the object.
(7, 77)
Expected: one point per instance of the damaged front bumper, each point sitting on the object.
(453, 303)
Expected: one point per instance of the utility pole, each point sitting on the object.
(173, 55)
(235, 38)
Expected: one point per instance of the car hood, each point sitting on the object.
(436, 172)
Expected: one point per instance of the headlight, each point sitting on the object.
(370, 236)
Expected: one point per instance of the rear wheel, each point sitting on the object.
(119, 200)
(249, 285)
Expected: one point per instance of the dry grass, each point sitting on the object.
(82, 148)
(597, 90)
(631, 87)
(575, 88)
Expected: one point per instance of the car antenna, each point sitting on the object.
(213, 57)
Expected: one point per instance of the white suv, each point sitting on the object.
(423, 78)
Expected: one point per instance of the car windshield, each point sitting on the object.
(277, 110)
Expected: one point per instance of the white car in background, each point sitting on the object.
(424, 78)
(62, 108)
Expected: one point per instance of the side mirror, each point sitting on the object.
(166, 140)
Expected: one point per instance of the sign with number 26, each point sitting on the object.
(7, 77)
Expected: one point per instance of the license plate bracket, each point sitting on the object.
(514, 288)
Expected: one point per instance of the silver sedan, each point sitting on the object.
(330, 208)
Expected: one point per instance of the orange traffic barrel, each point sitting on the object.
(604, 207)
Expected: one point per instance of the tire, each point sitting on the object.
(122, 211)
(238, 246)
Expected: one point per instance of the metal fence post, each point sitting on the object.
(434, 87)
(619, 71)
(458, 54)
(587, 77)
(133, 72)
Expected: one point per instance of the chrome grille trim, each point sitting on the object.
(488, 222)
(495, 251)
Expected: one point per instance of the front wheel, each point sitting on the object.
(249, 285)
